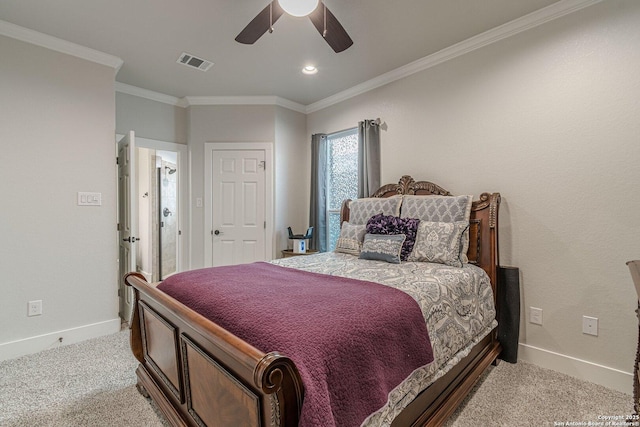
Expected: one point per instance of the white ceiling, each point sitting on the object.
(150, 35)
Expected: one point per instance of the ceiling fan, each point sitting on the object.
(321, 17)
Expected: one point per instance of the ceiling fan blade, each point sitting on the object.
(260, 24)
(332, 31)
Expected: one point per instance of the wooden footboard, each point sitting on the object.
(201, 375)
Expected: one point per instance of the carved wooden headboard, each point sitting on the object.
(483, 223)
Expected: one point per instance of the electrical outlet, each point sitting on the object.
(34, 308)
(535, 315)
(590, 325)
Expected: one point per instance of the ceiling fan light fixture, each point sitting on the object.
(309, 69)
(299, 7)
(320, 16)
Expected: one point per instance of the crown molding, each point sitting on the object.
(188, 101)
(149, 94)
(245, 100)
(30, 36)
(291, 105)
(230, 100)
(532, 20)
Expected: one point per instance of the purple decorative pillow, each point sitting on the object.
(389, 224)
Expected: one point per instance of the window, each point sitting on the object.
(342, 178)
(344, 165)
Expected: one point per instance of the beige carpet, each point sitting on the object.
(65, 386)
(523, 394)
(91, 383)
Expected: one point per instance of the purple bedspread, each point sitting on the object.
(352, 341)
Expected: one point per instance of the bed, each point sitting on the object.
(201, 374)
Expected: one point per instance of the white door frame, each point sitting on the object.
(184, 223)
(209, 147)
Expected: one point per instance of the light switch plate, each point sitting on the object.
(89, 199)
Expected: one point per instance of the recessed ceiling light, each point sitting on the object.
(309, 69)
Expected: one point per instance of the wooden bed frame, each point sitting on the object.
(201, 375)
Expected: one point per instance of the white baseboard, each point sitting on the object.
(13, 349)
(577, 368)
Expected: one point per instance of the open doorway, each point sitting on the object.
(153, 211)
(158, 253)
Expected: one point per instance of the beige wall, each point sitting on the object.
(150, 119)
(57, 136)
(247, 123)
(549, 118)
(292, 167)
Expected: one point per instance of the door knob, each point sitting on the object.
(131, 239)
(217, 232)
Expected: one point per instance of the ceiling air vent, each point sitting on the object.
(194, 62)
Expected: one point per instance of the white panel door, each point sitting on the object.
(238, 207)
(127, 219)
